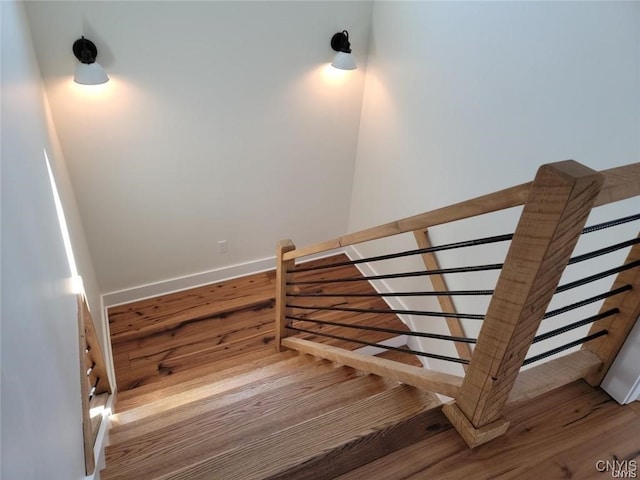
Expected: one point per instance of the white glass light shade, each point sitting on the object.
(344, 61)
(90, 74)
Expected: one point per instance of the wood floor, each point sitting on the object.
(560, 435)
(204, 395)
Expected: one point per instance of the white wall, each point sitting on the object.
(221, 122)
(41, 428)
(464, 98)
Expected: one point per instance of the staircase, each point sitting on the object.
(231, 407)
(203, 393)
(290, 416)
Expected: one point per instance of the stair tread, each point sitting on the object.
(144, 394)
(298, 444)
(201, 436)
(186, 394)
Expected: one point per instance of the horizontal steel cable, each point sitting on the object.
(385, 330)
(582, 303)
(468, 316)
(420, 273)
(564, 347)
(611, 223)
(443, 271)
(603, 251)
(397, 294)
(408, 253)
(573, 326)
(597, 276)
(456, 245)
(386, 347)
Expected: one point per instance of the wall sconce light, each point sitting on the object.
(343, 59)
(88, 72)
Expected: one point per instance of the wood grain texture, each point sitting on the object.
(282, 275)
(620, 183)
(250, 416)
(446, 303)
(92, 373)
(560, 435)
(185, 393)
(619, 325)
(473, 436)
(422, 378)
(553, 374)
(87, 427)
(552, 219)
(273, 456)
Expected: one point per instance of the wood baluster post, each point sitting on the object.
(559, 203)
(619, 325)
(439, 284)
(282, 269)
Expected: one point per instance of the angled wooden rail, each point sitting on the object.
(94, 382)
(556, 204)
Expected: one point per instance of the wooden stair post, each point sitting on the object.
(559, 202)
(282, 269)
(619, 325)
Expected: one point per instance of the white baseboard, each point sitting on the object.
(177, 284)
(172, 285)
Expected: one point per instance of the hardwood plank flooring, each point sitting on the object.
(561, 434)
(169, 339)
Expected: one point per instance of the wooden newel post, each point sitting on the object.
(282, 268)
(559, 202)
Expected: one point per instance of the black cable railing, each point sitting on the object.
(587, 301)
(419, 273)
(573, 326)
(564, 347)
(448, 293)
(408, 253)
(466, 316)
(597, 276)
(395, 331)
(456, 245)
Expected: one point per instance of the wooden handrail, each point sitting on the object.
(620, 183)
(493, 202)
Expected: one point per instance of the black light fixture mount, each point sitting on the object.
(85, 50)
(340, 42)
(343, 59)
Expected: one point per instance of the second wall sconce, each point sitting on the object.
(343, 59)
(88, 72)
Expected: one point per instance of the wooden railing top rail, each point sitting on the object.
(620, 183)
